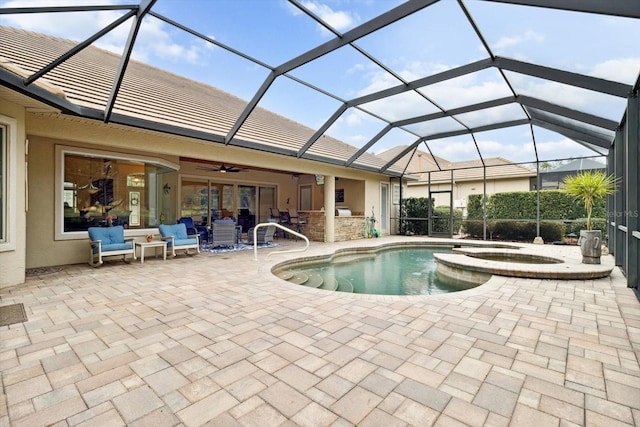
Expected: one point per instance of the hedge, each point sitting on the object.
(418, 207)
(515, 230)
(554, 204)
(503, 208)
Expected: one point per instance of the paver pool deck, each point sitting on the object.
(215, 339)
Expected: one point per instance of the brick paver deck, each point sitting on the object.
(215, 339)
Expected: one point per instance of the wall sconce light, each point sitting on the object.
(166, 189)
(295, 177)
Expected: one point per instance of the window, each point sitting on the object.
(101, 189)
(8, 182)
(194, 202)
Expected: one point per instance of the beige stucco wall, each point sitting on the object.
(354, 195)
(45, 131)
(43, 248)
(13, 257)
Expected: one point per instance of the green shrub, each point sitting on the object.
(416, 207)
(473, 227)
(521, 231)
(581, 224)
(552, 231)
(441, 225)
(474, 206)
(554, 204)
(512, 205)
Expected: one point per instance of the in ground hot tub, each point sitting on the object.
(477, 265)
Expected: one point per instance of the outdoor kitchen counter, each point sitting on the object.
(346, 227)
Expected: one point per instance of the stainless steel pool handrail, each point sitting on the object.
(283, 228)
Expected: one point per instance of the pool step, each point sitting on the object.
(330, 283)
(315, 280)
(298, 278)
(284, 274)
(344, 285)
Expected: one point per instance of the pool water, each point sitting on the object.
(407, 271)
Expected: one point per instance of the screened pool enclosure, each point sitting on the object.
(530, 81)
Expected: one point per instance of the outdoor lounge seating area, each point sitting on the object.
(192, 229)
(263, 235)
(178, 239)
(108, 242)
(224, 232)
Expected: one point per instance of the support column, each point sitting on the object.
(618, 208)
(484, 202)
(611, 204)
(329, 208)
(632, 195)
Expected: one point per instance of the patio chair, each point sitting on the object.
(224, 232)
(274, 213)
(178, 239)
(192, 228)
(285, 220)
(109, 241)
(298, 221)
(264, 234)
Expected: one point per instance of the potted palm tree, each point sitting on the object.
(588, 187)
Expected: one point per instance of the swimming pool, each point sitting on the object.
(386, 271)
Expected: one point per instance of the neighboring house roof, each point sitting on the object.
(86, 79)
(469, 170)
(420, 161)
(577, 165)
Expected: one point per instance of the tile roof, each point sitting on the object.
(86, 79)
(470, 170)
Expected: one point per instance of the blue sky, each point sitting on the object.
(433, 40)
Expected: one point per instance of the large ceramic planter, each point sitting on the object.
(591, 246)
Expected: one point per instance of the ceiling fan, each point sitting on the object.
(222, 169)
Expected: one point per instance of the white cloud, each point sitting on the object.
(507, 150)
(564, 148)
(339, 20)
(569, 96)
(154, 40)
(75, 26)
(526, 37)
(623, 70)
(454, 150)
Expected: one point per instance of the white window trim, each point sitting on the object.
(10, 183)
(61, 151)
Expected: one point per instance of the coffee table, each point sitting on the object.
(155, 244)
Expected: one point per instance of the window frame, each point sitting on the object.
(60, 152)
(9, 165)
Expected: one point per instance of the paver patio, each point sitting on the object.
(215, 339)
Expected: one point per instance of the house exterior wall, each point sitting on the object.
(13, 252)
(43, 248)
(36, 242)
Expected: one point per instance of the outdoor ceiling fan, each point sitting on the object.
(222, 169)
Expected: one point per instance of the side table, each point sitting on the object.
(152, 244)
